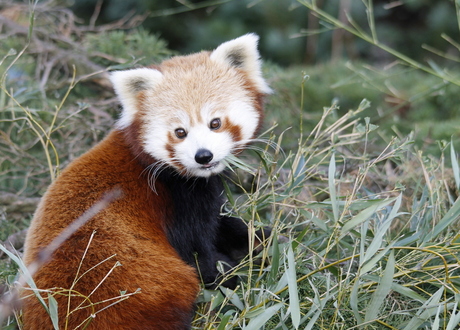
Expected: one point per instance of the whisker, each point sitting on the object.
(153, 171)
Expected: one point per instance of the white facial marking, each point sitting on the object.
(128, 84)
(242, 113)
(242, 52)
(189, 93)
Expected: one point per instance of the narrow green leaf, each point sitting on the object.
(367, 267)
(27, 276)
(454, 319)
(216, 299)
(282, 283)
(435, 325)
(380, 231)
(53, 311)
(426, 311)
(354, 301)
(233, 297)
(451, 216)
(363, 216)
(299, 238)
(223, 322)
(332, 188)
(312, 322)
(254, 312)
(401, 289)
(257, 322)
(405, 291)
(294, 304)
(311, 217)
(228, 192)
(382, 291)
(455, 167)
(275, 258)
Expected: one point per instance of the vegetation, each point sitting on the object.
(360, 175)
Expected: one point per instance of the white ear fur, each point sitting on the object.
(128, 84)
(242, 53)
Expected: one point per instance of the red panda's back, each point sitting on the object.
(129, 249)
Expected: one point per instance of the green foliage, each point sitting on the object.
(51, 87)
(363, 256)
(110, 46)
(403, 100)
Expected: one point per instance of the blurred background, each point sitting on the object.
(193, 25)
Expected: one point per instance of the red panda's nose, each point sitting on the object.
(203, 156)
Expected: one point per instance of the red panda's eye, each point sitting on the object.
(180, 133)
(215, 124)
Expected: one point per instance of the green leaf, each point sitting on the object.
(312, 321)
(294, 304)
(53, 311)
(363, 216)
(223, 322)
(454, 319)
(354, 301)
(373, 261)
(455, 167)
(332, 191)
(380, 232)
(282, 283)
(382, 291)
(299, 238)
(428, 309)
(275, 257)
(257, 322)
(27, 276)
(233, 297)
(435, 325)
(451, 216)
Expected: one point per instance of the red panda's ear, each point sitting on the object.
(242, 53)
(128, 84)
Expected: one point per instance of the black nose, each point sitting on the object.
(203, 156)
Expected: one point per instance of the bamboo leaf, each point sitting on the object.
(373, 261)
(313, 320)
(53, 311)
(455, 167)
(275, 258)
(294, 304)
(233, 297)
(381, 230)
(332, 188)
(27, 276)
(282, 283)
(224, 322)
(257, 322)
(426, 311)
(451, 216)
(354, 301)
(435, 325)
(454, 319)
(363, 216)
(401, 289)
(382, 291)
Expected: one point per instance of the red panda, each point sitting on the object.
(180, 121)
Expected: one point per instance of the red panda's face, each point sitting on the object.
(195, 111)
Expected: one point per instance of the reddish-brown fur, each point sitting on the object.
(146, 229)
(163, 297)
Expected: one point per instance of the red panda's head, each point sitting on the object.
(191, 112)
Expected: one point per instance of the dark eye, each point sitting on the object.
(180, 133)
(215, 124)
